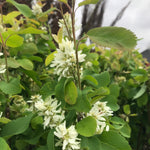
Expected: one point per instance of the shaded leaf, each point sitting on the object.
(112, 140)
(17, 126)
(24, 9)
(11, 87)
(50, 140)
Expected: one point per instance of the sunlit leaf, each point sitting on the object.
(87, 126)
(86, 2)
(71, 93)
(3, 144)
(50, 58)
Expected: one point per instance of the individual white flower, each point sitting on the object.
(68, 137)
(65, 59)
(36, 9)
(2, 68)
(100, 111)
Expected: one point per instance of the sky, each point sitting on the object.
(136, 18)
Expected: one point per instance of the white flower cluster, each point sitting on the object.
(65, 59)
(2, 66)
(62, 24)
(36, 9)
(50, 110)
(68, 137)
(100, 111)
(54, 118)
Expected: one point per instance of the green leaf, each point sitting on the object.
(114, 37)
(87, 126)
(126, 109)
(50, 140)
(114, 90)
(9, 19)
(64, 1)
(142, 101)
(42, 148)
(86, 2)
(112, 140)
(50, 58)
(35, 122)
(103, 79)
(140, 92)
(26, 64)
(71, 93)
(4, 120)
(59, 89)
(82, 104)
(111, 102)
(14, 41)
(11, 87)
(24, 9)
(30, 30)
(48, 89)
(126, 131)
(90, 143)
(46, 12)
(28, 49)
(17, 126)
(90, 80)
(12, 63)
(4, 145)
(98, 94)
(140, 75)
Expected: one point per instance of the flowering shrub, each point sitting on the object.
(79, 97)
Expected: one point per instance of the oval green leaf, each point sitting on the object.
(71, 93)
(87, 126)
(113, 37)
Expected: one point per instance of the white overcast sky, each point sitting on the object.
(136, 18)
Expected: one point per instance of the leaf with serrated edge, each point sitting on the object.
(86, 2)
(113, 37)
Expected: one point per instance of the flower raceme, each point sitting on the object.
(68, 137)
(50, 110)
(65, 59)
